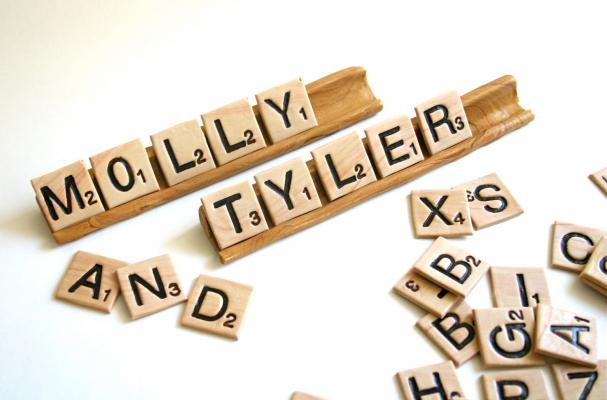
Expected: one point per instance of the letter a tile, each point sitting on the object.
(393, 145)
(67, 196)
(490, 201)
(425, 294)
(343, 166)
(595, 271)
(216, 306)
(433, 381)
(150, 286)
(517, 384)
(519, 287)
(124, 173)
(182, 152)
(233, 131)
(91, 281)
(581, 383)
(505, 337)
(440, 213)
(234, 214)
(451, 267)
(566, 336)
(443, 122)
(286, 110)
(454, 333)
(572, 245)
(288, 190)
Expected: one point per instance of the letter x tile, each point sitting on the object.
(440, 213)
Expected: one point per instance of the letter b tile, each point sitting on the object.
(506, 337)
(234, 214)
(451, 267)
(216, 306)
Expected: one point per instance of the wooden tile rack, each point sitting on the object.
(339, 100)
(493, 111)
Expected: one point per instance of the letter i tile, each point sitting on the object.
(216, 306)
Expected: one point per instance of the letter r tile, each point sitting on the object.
(234, 214)
(451, 267)
(216, 306)
(443, 122)
(506, 337)
(67, 196)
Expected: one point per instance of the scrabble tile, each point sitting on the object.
(518, 287)
(216, 306)
(234, 214)
(343, 166)
(287, 190)
(286, 110)
(304, 396)
(443, 122)
(440, 213)
(574, 382)
(600, 179)
(451, 267)
(566, 335)
(432, 381)
(505, 337)
(516, 384)
(490, 201)
(425, 293)
(124, 173)
(595, 271)
(595, 287)
(454, 333)
(90, 280)
(572, 245)
(182, 152)
(233, 131)
(67, 196)
(393, 145)
(150, 286)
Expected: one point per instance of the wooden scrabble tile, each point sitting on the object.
(67, 196)
(566, 335)
(343, 165)
(287, 190)
(574, 382)
(425, 293)
(124, 173)
(516, 384)
(595, 287)
(595, 271)
(182, 152)
(505, 337)
(233, 131)
(216, 306)
(600, 179)
(90, 280)
(440, 213)
(150, 286)
(393, 145)
(304, 396)
(451, 267)
(518, 287)
(454, 333)
(234, 214)
(572, 245)
(286, 110)
(490, 201)
(443, 121)
(438, 380)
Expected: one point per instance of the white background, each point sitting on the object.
(78, 77)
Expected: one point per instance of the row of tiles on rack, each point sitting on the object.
(124, 173)
(343, 166)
